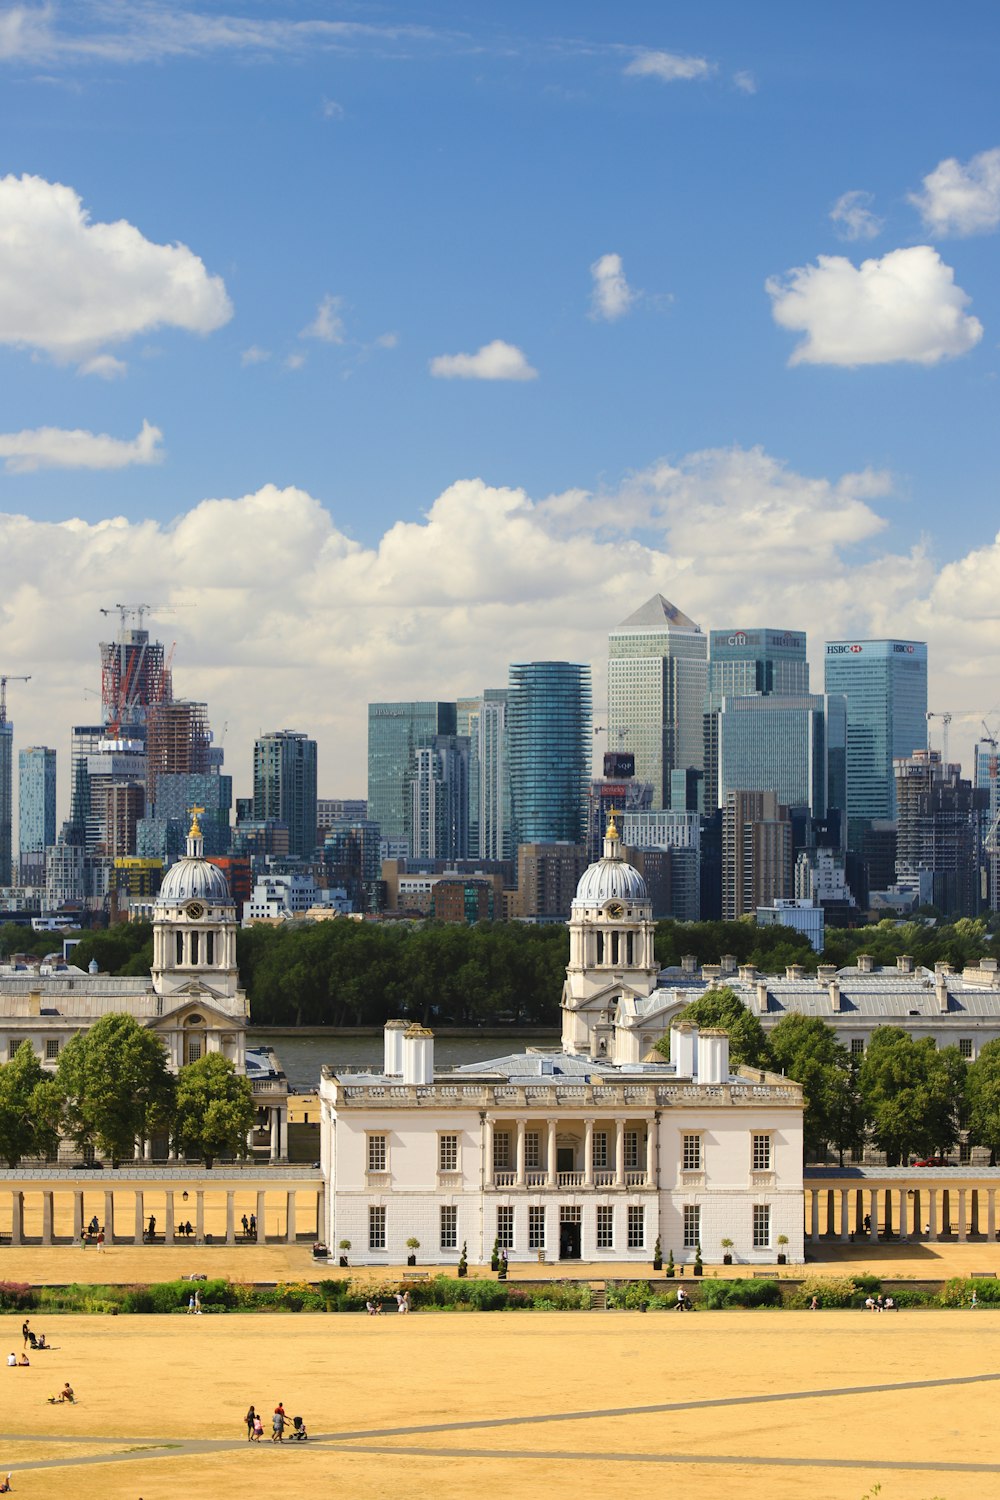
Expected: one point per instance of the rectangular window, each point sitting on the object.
(505, 1227)
(631, 1149)
(964, 1151)
(501, 1151)
(447, 1153)
(692, 1225)
(636, 1226)
(51, 1051)
(376, 1228)
(449, 1226)
(605, 1227)
(600, 1148)
(761, 1153)
(536, 1228)
(378, 1153)
(761, 1226)
(857, 1046)
(965, 1046)
(691, 1153)
(532, 1149)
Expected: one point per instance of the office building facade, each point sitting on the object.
(938, 831)
(284, 786)
(495, 835)
(395, 732)
(885, 685)
(439, 799)
(757, 853)
(657, 680)
(746, 663)
(36, 810)
(549, 749)
(794, 746)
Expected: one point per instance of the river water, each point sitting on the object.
(303, 1053)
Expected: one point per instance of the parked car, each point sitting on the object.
(932, 1161)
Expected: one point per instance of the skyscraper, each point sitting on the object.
(657, 678)
(467, 714)
(885, 684)
(793, 746)
(757, 863)
(743, 664)
(36, 810)
(284, 786)
(549, 747)
(493, 770)
(6, 797)
(939, 829)
(395, 731)
(439, 799)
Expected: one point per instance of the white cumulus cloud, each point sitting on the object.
(669, 67)
(69, 286)
(962, 198)
(255, 355)
(328, 324)
(852, 216)
(745, 82)
(904, 306)
(105, 366)
(495, 361)
(73, 448)
(611, 297)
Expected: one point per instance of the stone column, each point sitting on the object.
(230, 1217)
(521, 1127)
(275, 1133)
(991, 1213)
(261, 1231)
(873, 1214)
(904, 1228)
(199, 1216)
(963, 1218)
(137, 1237)
(918, 1215)
(321, 1233)
(77, 1213)
(814, 1214)
(168, 1219)
(17, 1218)
(488, 1133)
(147, 1150)
(290, 1225)
(46, 1218)
(588, 1153)
(650, 1144)
(109, 1216)
(619, 1152)
(551, 1153)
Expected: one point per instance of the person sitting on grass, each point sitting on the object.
(11, 1360)
(5, 1486)
(66, 1394)
(24, 1360)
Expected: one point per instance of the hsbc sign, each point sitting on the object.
(854, 650)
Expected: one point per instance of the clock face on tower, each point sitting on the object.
(194, 910)
(614, 909)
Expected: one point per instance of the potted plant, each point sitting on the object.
(727, 1252)
(671, 1268)
(463, 1262)
(698, 1268)
(495, 1256)
(345, 1245)
(782, 1256)
(412, 1244)
(657, 1256)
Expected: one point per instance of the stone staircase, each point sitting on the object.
(598, 1298)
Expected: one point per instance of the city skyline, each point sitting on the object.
(621, 287)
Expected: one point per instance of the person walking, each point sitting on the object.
(100, 1239)
(258, 1428)
(278, 1424)
(191, 1304)
(250, 1419)
(25, 1333)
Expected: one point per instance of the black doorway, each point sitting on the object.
(569, 1241)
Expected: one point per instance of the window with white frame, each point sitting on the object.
(376, 1227)
(600, 1149)
(692, 1225)
(448, 1153)
(605, 1227)
(636, 1226)
(501, 1150)
(965, 1046)
(52, 1050)
(449, 1226)
(532, 1150)
(505, 1227)
(536, 1228)
(691, 1153)
(632, 1149)
(761, 1226)
(760, 1153)
(378, 1153)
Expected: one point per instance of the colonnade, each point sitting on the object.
(875, 1209)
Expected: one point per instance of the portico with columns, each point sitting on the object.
(899, 1204)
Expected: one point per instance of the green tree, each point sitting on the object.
(983, 1099)
(806, 1050)
(911, 1095)
(116, 1085)
(30, 1108)
(125, 948)
(214, 1111)
(724, 1009)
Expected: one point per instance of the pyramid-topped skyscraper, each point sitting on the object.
(657, 677)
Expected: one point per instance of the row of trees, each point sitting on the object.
(910, 1097)
(112, 1087)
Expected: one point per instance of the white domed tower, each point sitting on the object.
(194, 928)
(611, 931)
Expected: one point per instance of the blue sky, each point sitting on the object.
(592, 199)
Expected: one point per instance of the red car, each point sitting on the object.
(931, 1161)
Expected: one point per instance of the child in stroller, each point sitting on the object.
(298, 1433)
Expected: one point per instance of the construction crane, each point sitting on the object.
(4, 679)
(622, 734)
(946, 719)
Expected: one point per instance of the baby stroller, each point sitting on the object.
(298, 1433)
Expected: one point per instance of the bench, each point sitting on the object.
(416, 1275)
(982, 1275)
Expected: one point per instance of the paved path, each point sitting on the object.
(373, 1440)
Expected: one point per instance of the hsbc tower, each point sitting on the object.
(885, 684)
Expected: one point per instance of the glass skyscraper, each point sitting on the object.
(885, 684)
(549, 751)
(395, 732)
(742, 664)
(657, 677)
(36, 810)
(793, 746)
(6, 798)
(284, 786)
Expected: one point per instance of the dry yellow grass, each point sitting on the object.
(171, 1380)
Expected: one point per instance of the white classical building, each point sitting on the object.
(581, 1153)
(191, 999)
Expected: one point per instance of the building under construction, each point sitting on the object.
(134, 677)
(178, 742)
